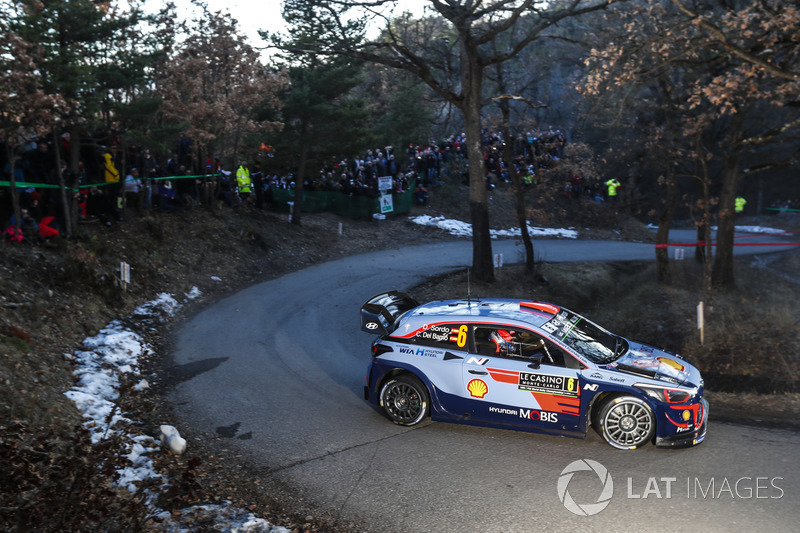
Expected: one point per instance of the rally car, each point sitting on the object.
(530, 366)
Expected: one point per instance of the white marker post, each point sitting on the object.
(700, 322)
(124, 275)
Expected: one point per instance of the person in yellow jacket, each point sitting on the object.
(243, 181)
(113, 191)
(613, 184)
(738, 204)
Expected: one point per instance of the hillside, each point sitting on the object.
(54, 294)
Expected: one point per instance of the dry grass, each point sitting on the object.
(750, 356)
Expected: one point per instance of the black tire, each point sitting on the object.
(404, 399)
(626, 422)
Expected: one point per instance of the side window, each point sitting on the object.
(555, 356)
(520, 344)
(507, 342)
(484, 345)
(447, 336)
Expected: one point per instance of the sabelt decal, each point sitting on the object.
(477, 388)
(549, 383)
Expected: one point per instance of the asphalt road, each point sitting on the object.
(277, 372)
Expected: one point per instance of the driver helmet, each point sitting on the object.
(502, 339)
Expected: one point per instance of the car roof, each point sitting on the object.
(488, 310)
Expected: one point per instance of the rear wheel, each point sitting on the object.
(404, 400)
(627, 422)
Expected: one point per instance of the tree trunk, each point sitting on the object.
(482, 265)
(13, 187)
(662, 235)
(61, 186)
(706, 251)
(723, 259)
(74, 165)
(520, 192)
(297, 210)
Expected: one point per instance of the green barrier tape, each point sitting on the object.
(27, 185)
(781, 209)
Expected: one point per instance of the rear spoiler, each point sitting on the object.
(380, 313)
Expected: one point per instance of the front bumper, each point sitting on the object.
(690, 438)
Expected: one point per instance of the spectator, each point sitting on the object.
(258, 184)
(98, 205)
(577, 185)
(420, 193)
(739, 204)
(243, 182)
(613, 185)
(113, 192)
(27, 222)
(168, 199)
(227, 188)
(66, 146)
(172, 166)
(149, 171)
(134, 190)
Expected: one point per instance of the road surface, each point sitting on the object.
(277, 372)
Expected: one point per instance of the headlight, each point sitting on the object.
(667, 394)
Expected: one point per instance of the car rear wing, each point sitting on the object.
(380, 313)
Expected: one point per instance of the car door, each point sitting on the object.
(435, 353)
(520, 383)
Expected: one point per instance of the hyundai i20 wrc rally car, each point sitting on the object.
(530, 366)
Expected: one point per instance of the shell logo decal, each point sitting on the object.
(671, 362)
(477, 388)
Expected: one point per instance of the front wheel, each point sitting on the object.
(404, 400)
(627, 422)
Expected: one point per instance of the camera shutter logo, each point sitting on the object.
(585, 509)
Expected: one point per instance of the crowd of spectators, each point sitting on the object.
(786, 205)
(112, 179)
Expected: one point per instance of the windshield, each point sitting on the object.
(586, 338)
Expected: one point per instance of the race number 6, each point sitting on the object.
(461, 339)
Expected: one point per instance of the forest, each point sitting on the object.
(688, 104)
